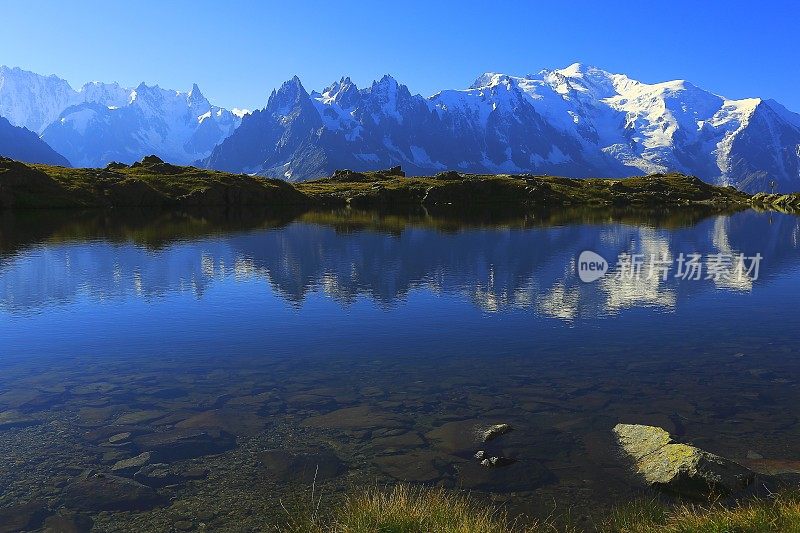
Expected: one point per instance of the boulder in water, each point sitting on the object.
(679, 468)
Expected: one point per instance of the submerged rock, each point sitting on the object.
(13, 419)
(679, 468)
(100, 492)
(302, 467)
(456, 437)
(181, 444)
(23, 517)
(773, 467)
(119, 437)
(523, 475)
(418, 466)
(129, 466)
(228, 420)
(161, 474)
(68, 522)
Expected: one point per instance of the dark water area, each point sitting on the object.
(241, 353)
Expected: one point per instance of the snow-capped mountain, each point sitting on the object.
(104, 122)
(34, 101)
(23, 145)
(579, 121)
(178, 127)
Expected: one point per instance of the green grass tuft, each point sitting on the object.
(406, 509)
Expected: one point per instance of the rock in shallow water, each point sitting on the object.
(181, 444)
(302, 467)
(161, 475)
(129, 466)
(492, 432)
(679, 468)
(492, 461)
(101, 492)
(119, 437)
(23, 517)
(463, 435)
(420, 466)
(13, 419)
(68, 522)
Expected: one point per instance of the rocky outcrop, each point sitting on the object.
(149, 183)
(153, 183)
(679, 468)
(787, 203)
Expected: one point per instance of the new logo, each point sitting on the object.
(591, 266)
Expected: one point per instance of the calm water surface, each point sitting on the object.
(246, 353)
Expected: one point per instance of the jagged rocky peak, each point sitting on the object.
(387, 85)
(344, 93)
(386, 82)
(141, 92)
(388, 97)
(287, 97)
(195, 94)
(576, 121)
(197, 101)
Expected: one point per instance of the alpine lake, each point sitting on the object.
(212, 370)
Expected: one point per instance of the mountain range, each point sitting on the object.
(104, 122)
(579, 121)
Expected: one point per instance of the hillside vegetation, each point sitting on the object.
(152, 182)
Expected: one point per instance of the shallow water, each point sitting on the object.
(375, 344)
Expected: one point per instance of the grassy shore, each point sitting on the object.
(153, 183)
(406, 509)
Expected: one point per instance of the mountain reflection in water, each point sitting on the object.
(524, 263)
(370, 343)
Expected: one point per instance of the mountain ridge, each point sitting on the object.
(580, 121)
(24, 145)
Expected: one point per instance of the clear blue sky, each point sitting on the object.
(238, 51)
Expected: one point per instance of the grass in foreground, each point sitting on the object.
(407, 509)
(779, 514)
